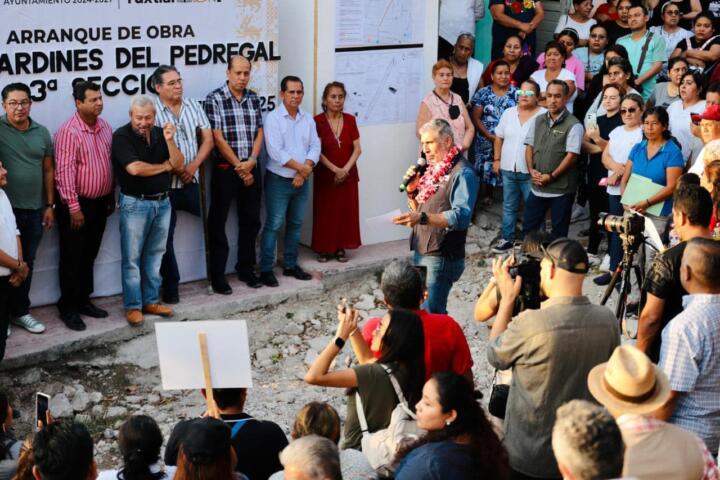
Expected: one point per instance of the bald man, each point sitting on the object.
(690, 353)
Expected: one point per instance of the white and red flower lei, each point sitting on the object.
(435, 173)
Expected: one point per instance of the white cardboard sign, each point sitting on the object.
(179, 353)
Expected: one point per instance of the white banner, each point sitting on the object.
(48, 44)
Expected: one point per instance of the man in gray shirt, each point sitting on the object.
(550, 350)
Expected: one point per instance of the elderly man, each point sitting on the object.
(709, 131)
(26, 149)
(144, 156)
(691, 345)
(550, 351)
(189, 119)
(441, 213)
(311, 458)
(632, 388)
(587, 442)
(83, 174)
(552, 163)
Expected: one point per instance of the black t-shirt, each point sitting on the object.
(596, 170)
(462, 88)
(696, 44)
(615, 31)
(129, 147)
(663, 281)
(257, 445)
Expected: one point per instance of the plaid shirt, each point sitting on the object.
(191, 118)
(239, 121)
(690, 356)
(632, 423)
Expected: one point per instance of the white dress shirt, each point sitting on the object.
(8, 231)
(288, 138)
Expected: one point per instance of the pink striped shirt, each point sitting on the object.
(82, 161)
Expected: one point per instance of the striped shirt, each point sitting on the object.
(82, 161)
(690, 356)
(191, 118)
(238, 120)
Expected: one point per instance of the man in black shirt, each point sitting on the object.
(257, 443)
(692, 209)
(143, 157)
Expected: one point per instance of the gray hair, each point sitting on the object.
(140, 100)
(316, 456)
(401, 285)
(587, 441)
(157, 76)
(438, 125)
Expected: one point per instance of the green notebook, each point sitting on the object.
(641, 188)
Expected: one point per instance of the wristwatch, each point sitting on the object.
(339, 342)
(50, 205)
(423, 218)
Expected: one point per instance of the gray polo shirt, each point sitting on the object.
(551, 351)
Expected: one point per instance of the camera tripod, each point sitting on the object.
(623, 274)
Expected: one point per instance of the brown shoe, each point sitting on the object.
(157, 309)
(134, 317)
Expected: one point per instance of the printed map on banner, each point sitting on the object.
(378, 22)
(383, 86)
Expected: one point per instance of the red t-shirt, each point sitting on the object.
(446, 348)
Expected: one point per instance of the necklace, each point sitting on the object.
(337, 129)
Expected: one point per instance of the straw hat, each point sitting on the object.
(629, 382)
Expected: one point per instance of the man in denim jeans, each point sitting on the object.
(26, 149)
(442, 213)
(144, 156)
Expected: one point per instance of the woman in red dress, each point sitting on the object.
(336, 224)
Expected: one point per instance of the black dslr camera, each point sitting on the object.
(530, 295)
(628, 224)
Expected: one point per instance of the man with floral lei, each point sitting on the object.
(440, 212)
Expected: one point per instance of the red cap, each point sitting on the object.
(712, 112)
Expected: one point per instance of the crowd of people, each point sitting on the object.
(624, 94)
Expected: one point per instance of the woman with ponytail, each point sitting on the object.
(460, 444)
(139, 441)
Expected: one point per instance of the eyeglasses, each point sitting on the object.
(672, 12)
(524, 93)
(14, 105)
(630, 110)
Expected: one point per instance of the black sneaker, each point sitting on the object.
(296, 272)
(73, 321)
(221, 287)
(171, 298)
(90, 310)
(268, 279)
(603, 279)
(250, 279)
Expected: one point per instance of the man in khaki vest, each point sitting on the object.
(632, 388)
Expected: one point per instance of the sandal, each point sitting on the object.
(324, 257)
(340, 256)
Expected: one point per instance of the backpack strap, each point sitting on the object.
(643, 53)
(361, 415)
(398, 391)
(707, 42)
(238, 426)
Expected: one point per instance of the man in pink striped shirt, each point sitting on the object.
(83, 174)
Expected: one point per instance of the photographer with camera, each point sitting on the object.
(692, 209)
(550, 351)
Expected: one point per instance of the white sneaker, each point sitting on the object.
(29, 323)
(605, 265)
(579, 213)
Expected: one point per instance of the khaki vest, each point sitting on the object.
(427, 240)
(549, 150)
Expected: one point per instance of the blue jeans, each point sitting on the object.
(144, 228)
(560, 209)
(515, 185)
(441, 274)
(282, 202)
(615, 247)
(186, 199)
(29, 222)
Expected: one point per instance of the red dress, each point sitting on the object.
(336, 223)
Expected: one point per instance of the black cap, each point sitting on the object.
(567, 254)
(205, 440)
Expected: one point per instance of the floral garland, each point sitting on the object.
(435, 173)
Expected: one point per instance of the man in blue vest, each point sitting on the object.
(552, 146)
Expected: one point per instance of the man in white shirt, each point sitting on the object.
(293, 148)
(13, 270)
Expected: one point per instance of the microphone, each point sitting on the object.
(417, 169)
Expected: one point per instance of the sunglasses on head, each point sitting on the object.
(623, 111)
(524, 93)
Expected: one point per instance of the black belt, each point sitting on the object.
(148, 196)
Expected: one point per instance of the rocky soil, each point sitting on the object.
(103, 386)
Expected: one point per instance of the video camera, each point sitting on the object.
(628, 224)
(530, 294)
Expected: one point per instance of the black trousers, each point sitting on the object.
(598, 200)
(78, 250)
(226, 186)
(4, 312)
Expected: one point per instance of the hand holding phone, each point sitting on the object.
(42, 406)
